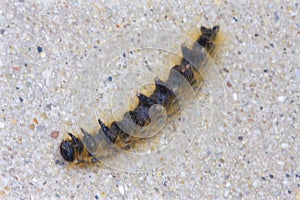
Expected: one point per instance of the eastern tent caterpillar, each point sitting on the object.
(150, 111)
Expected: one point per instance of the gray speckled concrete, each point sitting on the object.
(44, 47)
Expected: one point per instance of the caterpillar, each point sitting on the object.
(151, 111)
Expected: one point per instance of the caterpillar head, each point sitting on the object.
(73, 150)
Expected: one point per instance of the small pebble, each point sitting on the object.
(16, 68)
(235, 96)
(32, 126)
(54, 134)
(42, 54)
(58, 162)
(229, 84)
(281, 98)
(165, 183)
(255, 184)
(35, 121)
(21, 99)
(226, 70)
(284, 146)
(121, 189)
(49, 106)
(276, 16)
(39, 49)
(2, 125)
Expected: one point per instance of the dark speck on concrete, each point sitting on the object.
(39, 49)
(109, 78)
(49, 106)
(165, 183)
(58, 162)
(276, 16)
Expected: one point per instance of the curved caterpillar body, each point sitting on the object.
(121, 134)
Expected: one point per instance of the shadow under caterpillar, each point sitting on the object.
(150, 111)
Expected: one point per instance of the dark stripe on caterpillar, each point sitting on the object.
(121, 134)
